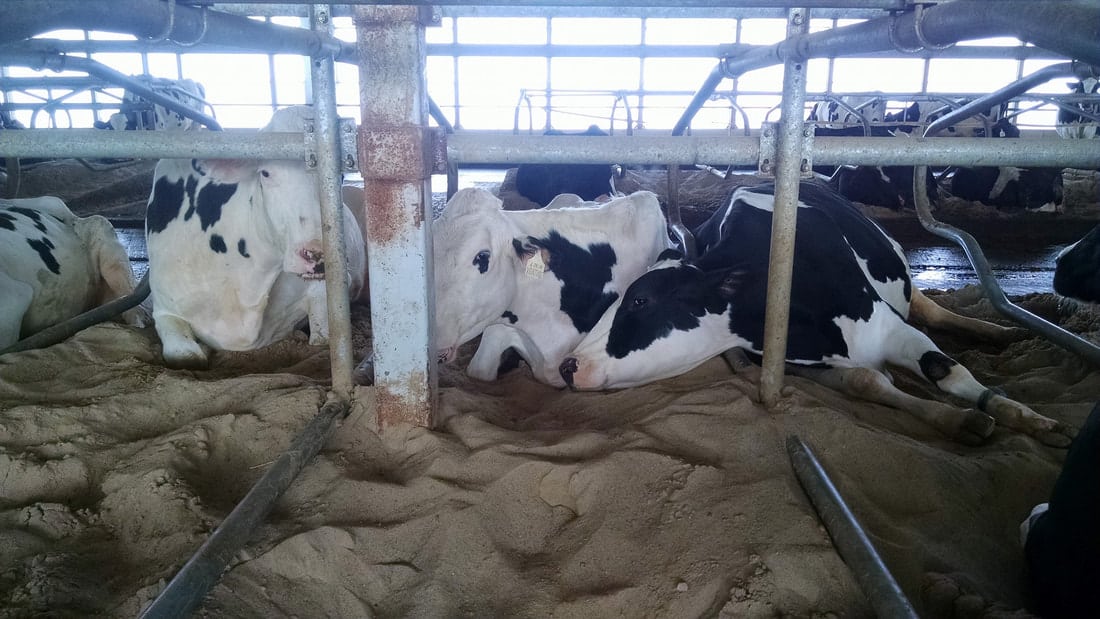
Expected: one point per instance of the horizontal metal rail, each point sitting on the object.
(229, 144)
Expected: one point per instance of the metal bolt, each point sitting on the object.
(766, 167)
(767, 133)
(322, 17)
(311, 161)
(807, 133)
(805, 167)
(797, 19)
(348, 128)
(309, 127)
(349, 162)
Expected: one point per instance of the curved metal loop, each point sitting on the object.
(918, 18)
(202, 33)
(893, 30)
(163, 36)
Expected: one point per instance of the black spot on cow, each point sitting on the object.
(512, 318)
(45, 247)
(7, 222)
(190, 187)
(165, 205)
(242, 249)
(542, 182)
(583, 273)
(217, 243)
(936, 366)
(1077, 269)
(34, 216)
(210, 201)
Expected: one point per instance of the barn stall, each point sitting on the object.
(437, 495)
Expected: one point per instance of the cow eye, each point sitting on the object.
(265, 173)
(639, 302)
(481, 261)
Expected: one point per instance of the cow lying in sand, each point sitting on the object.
(535, 281)
(235, 256)
(55, 265)
(851, 294)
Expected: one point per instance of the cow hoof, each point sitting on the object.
(192, 362)
(1059, 436)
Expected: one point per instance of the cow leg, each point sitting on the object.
(179, 346)
(15, 300)
(965, 426)
(318, 313)
(913, 350)
(925, 311)
(498, 338)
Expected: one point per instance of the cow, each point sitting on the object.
(235, 255)
(55, 265)
(888, 186)
(1061, 538)
(1077, 269)
(536, 280)
(1075, 125)
(1006, 187)
(137, 113)
(851, 294)
(541, 182)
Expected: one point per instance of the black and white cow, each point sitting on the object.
(1077, 269)
(537, 280)
(235, 255)
(850, 298)
(137, 113)
(1073, 125)
(1061, 538)
(1006, 187)
(55, 265)
(542, 182)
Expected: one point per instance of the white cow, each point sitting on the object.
(235, 256)
(55, 265)
(536, 281)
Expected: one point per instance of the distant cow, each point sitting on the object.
(235, 255)
(535, 280)
(1007, 187)
(1061, 538)
(1077, 269)
(55, 265)
(850, 297)
(888, 186)
(541, 182)
(137, 113)
(1075, 125)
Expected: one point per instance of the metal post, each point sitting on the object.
(393, 147)
(330, 168)
(787, 176)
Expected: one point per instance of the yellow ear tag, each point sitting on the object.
(535, 266)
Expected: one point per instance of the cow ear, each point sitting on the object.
(226, 170)
(532, 255)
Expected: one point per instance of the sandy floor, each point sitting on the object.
(670, 500)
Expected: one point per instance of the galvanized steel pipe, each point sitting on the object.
(467, 148)
(874, 578)
(95, 143)
(1070, 341)
(330, 169)
(784, 216)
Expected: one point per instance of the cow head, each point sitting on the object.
(479, 256)
(671, 319)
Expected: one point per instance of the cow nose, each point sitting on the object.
(567, 368)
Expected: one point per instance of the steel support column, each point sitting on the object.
(393, 157)
(330, 168)
(787, 175)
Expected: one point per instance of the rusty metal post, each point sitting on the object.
(394, 160)
(787, 175)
